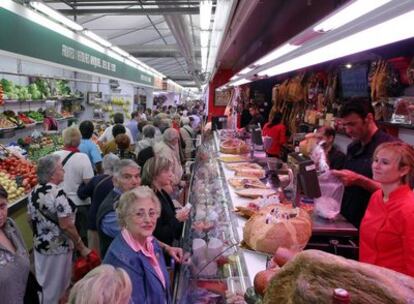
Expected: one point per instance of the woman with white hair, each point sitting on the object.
(102, 285)
(135, 249)
(169, 149)
(148, 138)
(51, 216)
(97, 189)
(78, 170)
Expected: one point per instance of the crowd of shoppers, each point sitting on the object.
(89, 197)
(122, 204)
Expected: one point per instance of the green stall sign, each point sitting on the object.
(22, 36)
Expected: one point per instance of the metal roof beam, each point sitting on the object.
(150, 2)
(134, 11)
(123, 3)
(161, 51)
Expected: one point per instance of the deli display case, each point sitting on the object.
(215, 263)
(242, 212)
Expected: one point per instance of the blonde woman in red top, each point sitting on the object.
(387, 229)
(277, 131)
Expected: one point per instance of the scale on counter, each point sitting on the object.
(305, 178)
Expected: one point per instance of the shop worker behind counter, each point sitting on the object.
(256, 116)
(358, 120)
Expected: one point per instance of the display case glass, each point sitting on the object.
(215, 264)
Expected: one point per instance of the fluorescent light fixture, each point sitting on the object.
(279, 52)
(349, 13)
(234, 77)
(245, 70)
(221, 21)
(132, 58)
(131, 63)
(40, 6)
(97, 38)
(205, 14)
(114, 55)
(393, 30)
(120, 51)
(348, 65)
(204, 38)
(240, 82)
(204, 54)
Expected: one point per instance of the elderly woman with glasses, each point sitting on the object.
(135, 249)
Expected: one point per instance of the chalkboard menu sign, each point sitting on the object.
(354, 81)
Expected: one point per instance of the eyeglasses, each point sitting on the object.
(141, 214)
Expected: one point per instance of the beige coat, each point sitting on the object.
(161, 149)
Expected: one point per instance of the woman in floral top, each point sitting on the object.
(54, 232)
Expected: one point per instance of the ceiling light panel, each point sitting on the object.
(393, 30)
(40, 6)
(350, 12)
(206, 7)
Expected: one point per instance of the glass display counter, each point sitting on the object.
(211, 237)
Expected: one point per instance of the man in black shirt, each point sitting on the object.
(358, 120)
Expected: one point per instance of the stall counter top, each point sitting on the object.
(256, 262)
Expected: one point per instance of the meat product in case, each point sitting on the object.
(277, 226)
(233, 146)
(312, 276)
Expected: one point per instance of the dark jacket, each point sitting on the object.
(147, 288)
(168, 227)
(336, 158)
(106, 207)
(144, 155)
(97, 195)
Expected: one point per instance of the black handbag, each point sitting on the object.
(31, 295)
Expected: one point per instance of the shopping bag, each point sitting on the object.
(328, 205)
(83, 265)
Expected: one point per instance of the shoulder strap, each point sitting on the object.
(46, 216)
(188, 131)
(67, 158)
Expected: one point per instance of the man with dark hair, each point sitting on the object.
(107, 134)
(111, 147)
(88, 147)
(359, 123)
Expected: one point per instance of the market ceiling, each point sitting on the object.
(164, 34)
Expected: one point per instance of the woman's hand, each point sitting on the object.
(347, 177)
(182, 214)
(84, 251)
(175, 252)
